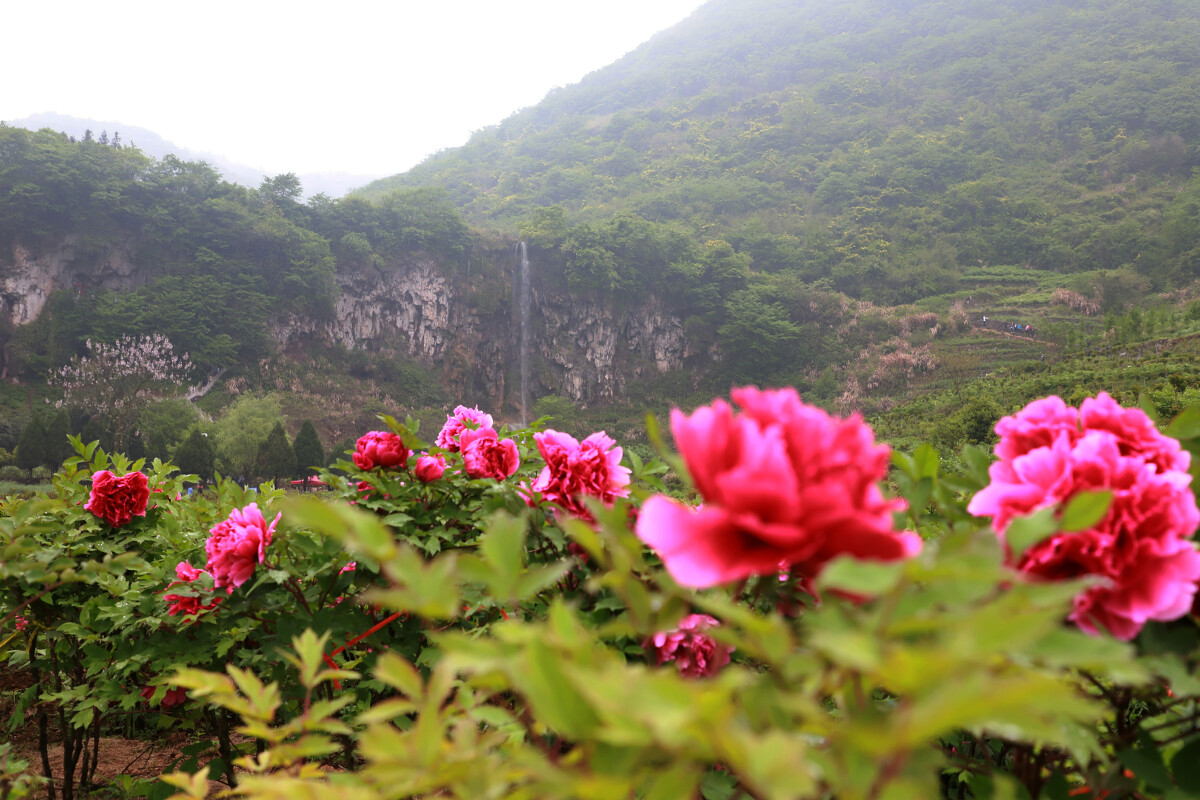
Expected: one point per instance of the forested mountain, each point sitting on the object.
(873, 146)
(832, 195)
(334, 184)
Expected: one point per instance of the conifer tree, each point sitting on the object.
(31, 449)
(196, 455)
(276, 460)
(58, 447)
(134, 447)
(310, 455)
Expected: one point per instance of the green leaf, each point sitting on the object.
(1146, 762)
(1024, 532)
(925, 461)
(398, 673)
(848, 574)
(1186, 767)
(676, 781)
(1186, 425)
(503, 548)
(1085, 510)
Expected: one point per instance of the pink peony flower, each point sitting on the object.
(486, 456)
(237, 545)
(117, 500)
(21, 623)
(462, 419)
(1050, 452)
(573, 470)
(380, 449)
(694, 653)
(784, 485)
(430, 468)
(187, 605)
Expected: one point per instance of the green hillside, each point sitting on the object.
(830, 195)
(874, 146)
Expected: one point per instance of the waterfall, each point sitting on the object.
(526, 302)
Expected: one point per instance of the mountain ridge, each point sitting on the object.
(333, 184)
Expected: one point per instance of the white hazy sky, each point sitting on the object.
(358, 86)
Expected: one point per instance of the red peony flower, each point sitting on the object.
(380, 449)
(173, 697)
(187, 605)
(784, 485)
(486, 456)
(462, 419)
(21, 623)
(694, 653)
(1050, 452)
(430, 468)
(118, 500)
(591, 468)
(237, 545)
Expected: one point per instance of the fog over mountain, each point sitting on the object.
(334, 184)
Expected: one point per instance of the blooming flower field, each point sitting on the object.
(518, 613)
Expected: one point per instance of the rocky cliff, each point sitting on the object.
(463, 322)
(469, 326)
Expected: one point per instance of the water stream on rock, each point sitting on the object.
(526, 302)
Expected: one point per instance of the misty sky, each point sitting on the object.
(358, 86)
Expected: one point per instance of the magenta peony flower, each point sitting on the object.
(186, 605)
(573, 470)
(486, 456)
(694, 653)
(118, 500)
(784, 485)
(237, 545)
(380, 449)
(462, 419)
(1049, 452)
(430, 468)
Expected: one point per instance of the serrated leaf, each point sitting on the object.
(400, 674)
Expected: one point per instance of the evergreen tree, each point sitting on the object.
(196, 455)
(58, 447)
(31, 449)
(97, 429)
(310, 455)
(156, 447)
(135, 448)
(276, 460)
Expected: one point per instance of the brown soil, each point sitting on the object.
(138, 758)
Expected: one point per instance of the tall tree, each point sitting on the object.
(31, 449)
(196, 455)
(310, 455)
(121, 379)
(276, 459)
(240, 431)
(58, 447)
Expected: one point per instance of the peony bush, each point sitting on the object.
(520, 613)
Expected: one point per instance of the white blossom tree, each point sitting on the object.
(120, 379)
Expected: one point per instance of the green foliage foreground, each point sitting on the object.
(506, 652)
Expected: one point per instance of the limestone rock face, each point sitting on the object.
(29, 278)
(580, 348)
